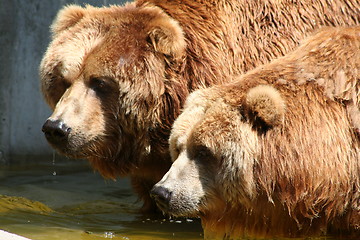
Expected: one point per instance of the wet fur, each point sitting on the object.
(153, 54)
(295, 175)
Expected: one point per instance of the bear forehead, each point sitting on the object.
(114, 39)
(216, 127)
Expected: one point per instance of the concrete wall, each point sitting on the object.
(24, 36)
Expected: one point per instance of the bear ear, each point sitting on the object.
(264, 105)
(167, 37)
(67, 17)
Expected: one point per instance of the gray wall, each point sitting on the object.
(24, 36)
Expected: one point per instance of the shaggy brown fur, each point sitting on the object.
(116, 77)
(273, 153)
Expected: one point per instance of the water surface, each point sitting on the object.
(65, 199)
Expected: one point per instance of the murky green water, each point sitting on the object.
(64, 199)
(67, 200)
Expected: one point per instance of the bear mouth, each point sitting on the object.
(69, 151)
(76, 147)
(171, 205)
(182, 210)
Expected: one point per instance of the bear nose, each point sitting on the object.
(161, 195)
(56, 131)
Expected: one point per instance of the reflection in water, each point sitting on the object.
(63, 199)
(66, 200)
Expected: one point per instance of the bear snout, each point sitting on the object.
(56, 131)
(162, 197)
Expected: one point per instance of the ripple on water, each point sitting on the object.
(76, 203)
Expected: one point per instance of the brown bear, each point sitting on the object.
(116, 77)
(273, 152)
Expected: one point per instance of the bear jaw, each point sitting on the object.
(185, 186)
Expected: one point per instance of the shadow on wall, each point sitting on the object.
(24, 36)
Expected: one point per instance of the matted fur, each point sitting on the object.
(127, 70)
(296, 175)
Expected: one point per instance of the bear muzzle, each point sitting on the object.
(56, 132)
(162, 197)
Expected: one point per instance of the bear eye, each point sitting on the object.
(175, 153)
(96, 83)
(55, 87)
(101, 85)
(202, 152)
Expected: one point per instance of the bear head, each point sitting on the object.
(273, 153)
(108, 75)
(214, 144)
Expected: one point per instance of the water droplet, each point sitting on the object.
(53, 157)
(109, 235)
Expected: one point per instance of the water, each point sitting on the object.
(67, 200)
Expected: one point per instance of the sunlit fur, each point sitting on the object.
(274, 153)
(150, 55)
